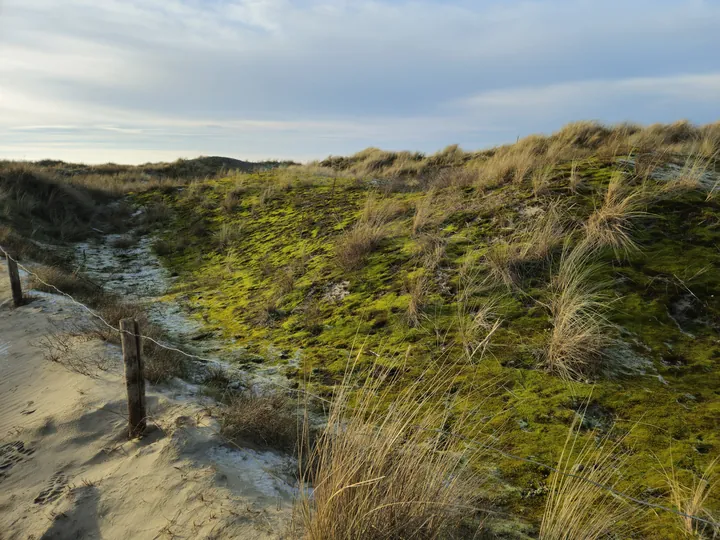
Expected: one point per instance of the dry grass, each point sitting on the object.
(509, 163)
(693, 176)
(541, 179)
(690, 497)
(381, 211)
(476, 326)
(676, 137)
(516, 162)
(611, 224)
(363, 237)
(72, 283)
(501, 260)
(575, 509)
(266, 420)
(357, 242)
(575, 181)
(417, 289)
(423, 211)
(535, 243)
(66, 345)
(476, 315)
(160, 363)
(385, 472)
(580, 333)
(431, 250)
(232, 199)
(545, 234)
(228, 235)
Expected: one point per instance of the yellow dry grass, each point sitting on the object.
(580, 333)
(381, 469)
(690, 497)
(611, 224)
(577, 508)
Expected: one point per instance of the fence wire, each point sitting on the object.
(479, 444)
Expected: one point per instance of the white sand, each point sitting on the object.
(67, 469)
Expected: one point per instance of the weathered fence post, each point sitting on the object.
(134, 376)
(14, 280)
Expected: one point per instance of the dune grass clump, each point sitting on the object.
(509, 260)
(611, 224)
(384, 471)
(366, 234)
(577, 507)
(262, 419)
(50, 279)
(580, 333)
(417, 288)
(423, 211)
(690, 498)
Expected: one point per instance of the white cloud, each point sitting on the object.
(548, 99)
(313, 77)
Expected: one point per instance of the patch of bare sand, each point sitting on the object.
(67, 469)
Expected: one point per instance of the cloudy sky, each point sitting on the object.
(145, 80)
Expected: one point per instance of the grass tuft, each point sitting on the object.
(267, 420)
(690, 497)
(386, 472)
(580, 333)
(578, 509)
(611, 224)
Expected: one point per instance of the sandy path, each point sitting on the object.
(67, 469)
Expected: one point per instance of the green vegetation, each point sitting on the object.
(563, 283)
(562, 267)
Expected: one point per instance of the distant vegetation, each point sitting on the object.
(557, 298)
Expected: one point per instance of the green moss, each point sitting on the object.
(273, 284)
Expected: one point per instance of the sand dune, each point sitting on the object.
(67, 469)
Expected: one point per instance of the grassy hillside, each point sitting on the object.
(566, 270)
(563, 279)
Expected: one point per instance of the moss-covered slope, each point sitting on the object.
(263, 260)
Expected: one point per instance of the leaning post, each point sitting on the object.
(14, 279)
(134, 376)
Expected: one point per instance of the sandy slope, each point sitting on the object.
(67, 469)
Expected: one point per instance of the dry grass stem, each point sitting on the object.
(576, 509)
(380, 469)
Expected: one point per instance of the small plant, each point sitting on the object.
(264, 419)
(533, 245)
(611, 224)
(580, 333)
(417, 288)
(386, 472)
(51, 279)
(123, 242)
(476, 320)
(578, 507)
(431, 251)
(363, 237)
(163, 247)
(232, 198)
(228, 234)
(575, 180)
(357, 242)
(541, 179)
(692, 177)
(690, 498)
(423, 211)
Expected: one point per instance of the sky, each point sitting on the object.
(132, 81)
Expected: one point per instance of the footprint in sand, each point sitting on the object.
(13, 453)
(55, 487)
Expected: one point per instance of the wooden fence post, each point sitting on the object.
(134, 376)
(14, 280)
